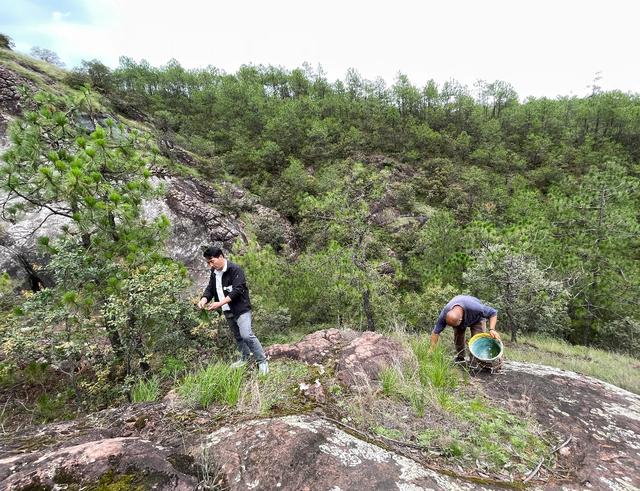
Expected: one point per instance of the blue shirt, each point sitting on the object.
(474, 312)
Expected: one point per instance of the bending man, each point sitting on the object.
(461, 312)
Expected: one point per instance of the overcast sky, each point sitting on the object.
(543, 47)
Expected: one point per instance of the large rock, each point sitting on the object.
(128, 461)
(359, 357)
(10, 99)
(308, 453)
(601, 422)
(313, 348)
(365, 357)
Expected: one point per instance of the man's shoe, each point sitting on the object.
(238, 364)
(263, 367)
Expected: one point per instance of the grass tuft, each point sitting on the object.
(216, 383)
(146, 390)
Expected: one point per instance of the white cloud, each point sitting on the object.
(57, 16)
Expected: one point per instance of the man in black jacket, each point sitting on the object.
(228, 287)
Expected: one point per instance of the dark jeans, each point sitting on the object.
(246, 341)
(458, 337)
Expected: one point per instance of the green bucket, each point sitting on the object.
(485, 348)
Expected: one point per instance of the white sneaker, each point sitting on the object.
(238, 364)
(263, 367)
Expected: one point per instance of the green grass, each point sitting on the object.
(50, 408)
(146, 390)
(434, 368)
(387, 432)
(390, 379)
(216, 383)
(469, 427)
(172, 368)
(614, 368)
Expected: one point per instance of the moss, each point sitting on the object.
(65, 476)
(112, 481)
(140, 423)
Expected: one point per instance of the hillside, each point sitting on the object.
(357, 212)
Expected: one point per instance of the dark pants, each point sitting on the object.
(458, 337)
(246, 341)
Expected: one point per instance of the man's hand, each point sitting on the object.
(494, 334)
(202, 303)
(214, 306)
(434, 342)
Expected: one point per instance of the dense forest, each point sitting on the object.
(532, 206)
(400, 197)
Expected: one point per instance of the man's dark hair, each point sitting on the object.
(212, 251)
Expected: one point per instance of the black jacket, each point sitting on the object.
(234, 286)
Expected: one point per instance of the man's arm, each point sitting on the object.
(208, 292)
(437, 329)
(492, 326)
(217, 305)
(434, 340)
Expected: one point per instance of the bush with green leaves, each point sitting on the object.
(621, 335)
(525, 297)
(6, 42)
(421, 310)
(149, 313)
(110, 279)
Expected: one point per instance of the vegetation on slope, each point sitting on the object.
(400, 198)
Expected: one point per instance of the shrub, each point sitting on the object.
(514, 284)
(622, 335)
(421, 310)
(6, 42)
(148, 311)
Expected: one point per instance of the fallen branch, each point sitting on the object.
(534, 471)
(563, 444)
(554, 450)
(369, 437)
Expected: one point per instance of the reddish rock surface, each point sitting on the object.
(307, 453)
(602, 420)
(314, 348)
(359, 356)
(364, 358)
(171, 446)
(127, 461)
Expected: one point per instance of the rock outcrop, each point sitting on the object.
(600, 421)
(131, 462)
(309, 453)
(359, 356)
(168, 445)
